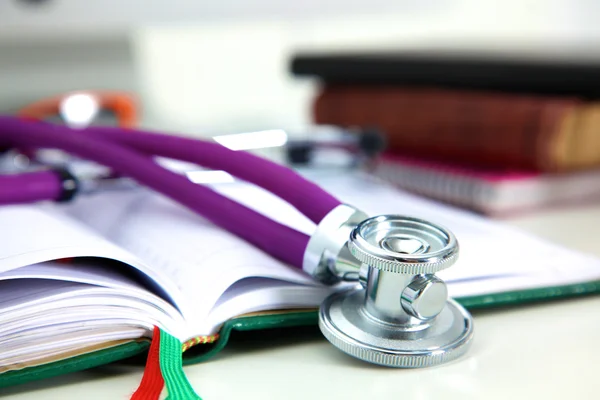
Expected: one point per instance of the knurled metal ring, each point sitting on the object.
(402, 244)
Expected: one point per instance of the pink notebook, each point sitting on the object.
(490, 192)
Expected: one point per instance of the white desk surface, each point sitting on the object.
(545, 351)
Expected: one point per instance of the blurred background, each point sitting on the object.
(224, 65)
(210, 68)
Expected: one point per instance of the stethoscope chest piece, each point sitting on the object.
(401, 316)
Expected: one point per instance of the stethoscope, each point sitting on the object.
(398, 314)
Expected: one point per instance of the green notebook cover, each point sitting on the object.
(270, 321)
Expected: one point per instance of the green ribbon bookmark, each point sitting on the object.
(178, 387)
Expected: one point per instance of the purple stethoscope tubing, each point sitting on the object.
(101, 146)
(305, 196)
(30, 187)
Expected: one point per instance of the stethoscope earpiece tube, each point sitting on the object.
(32, 187)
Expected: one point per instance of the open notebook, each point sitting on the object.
(84, 279)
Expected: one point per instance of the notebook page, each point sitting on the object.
(202, 259)
(94, 275)
(250, 295)
(34, 324)
(32, 234)
(493, 257)
(478, 237)
(33, 309)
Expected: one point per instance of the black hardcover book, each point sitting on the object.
(551, 76)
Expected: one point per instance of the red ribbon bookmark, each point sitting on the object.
(152, 382)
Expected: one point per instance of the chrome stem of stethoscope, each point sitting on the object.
(400, 314)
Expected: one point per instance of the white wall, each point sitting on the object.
(533, 17)
(234, 75)
(223, 65)
(33, 69)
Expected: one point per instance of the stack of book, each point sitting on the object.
(497, 136)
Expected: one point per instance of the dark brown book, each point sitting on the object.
(491, 129)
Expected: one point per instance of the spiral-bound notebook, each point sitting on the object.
(489, 191)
